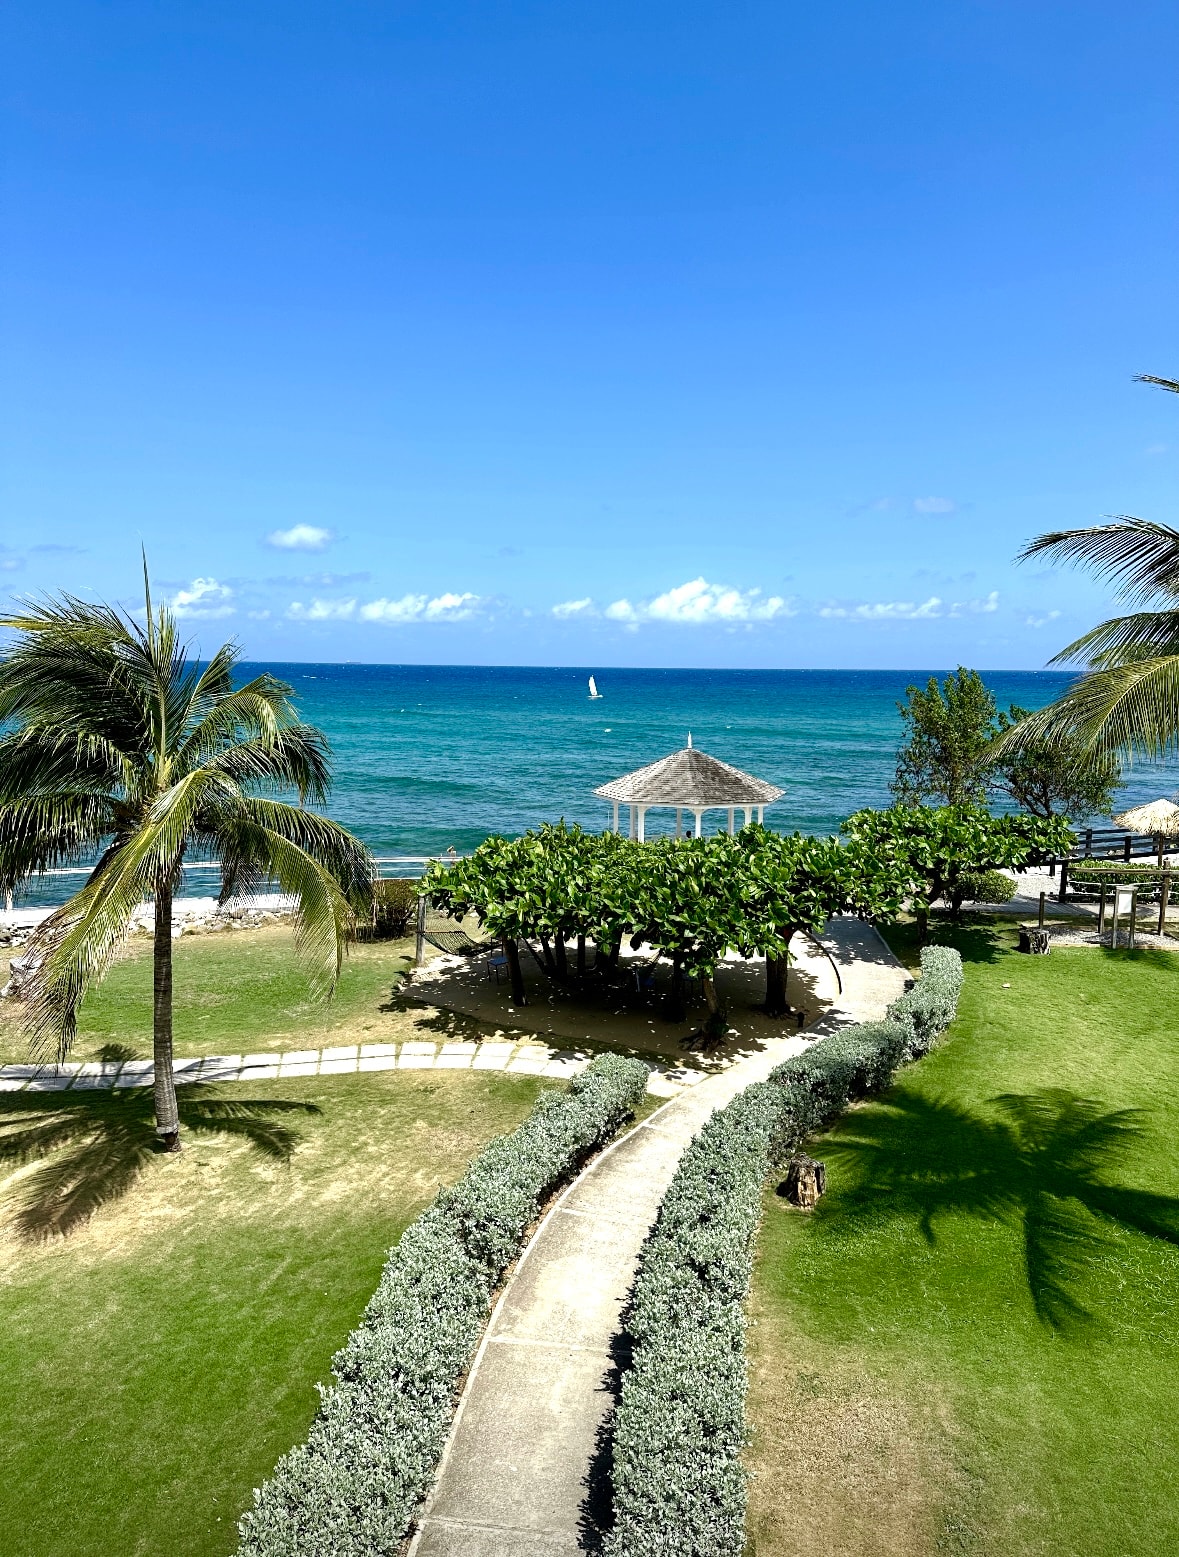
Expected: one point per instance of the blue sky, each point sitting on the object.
(730, 334)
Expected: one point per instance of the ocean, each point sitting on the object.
(430, 757)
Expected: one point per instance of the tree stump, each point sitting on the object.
(806, 1180)
(1033, 939)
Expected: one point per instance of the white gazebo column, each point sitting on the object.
(732, 814)
(679, 821)
(748, 815)
(616, 816)
(634, 811)
(700, 824)
(642, 810)
(761, 815)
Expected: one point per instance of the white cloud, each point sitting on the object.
(1041, 621)
(321, 610)
(204, 597)
(258, 616)
(1156, 448)
(912, 610)
(935, 505)
(447, 607)
(698, 603)
(300, 537)
(976, 607)
(574, 607)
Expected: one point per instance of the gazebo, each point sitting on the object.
(689, 780)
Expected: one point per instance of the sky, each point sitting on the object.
(734, 334)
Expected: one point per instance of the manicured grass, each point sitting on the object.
(156, 1362)
(1002, 1378)
(235, 991)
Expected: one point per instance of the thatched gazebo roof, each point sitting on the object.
(689, 780)
(1159, 817)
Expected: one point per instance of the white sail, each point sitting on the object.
(593, 688)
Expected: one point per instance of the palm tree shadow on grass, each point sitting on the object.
(96, 1144)
(1039, 1162)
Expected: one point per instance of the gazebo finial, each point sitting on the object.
(689, 740)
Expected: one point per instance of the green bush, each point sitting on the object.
(987, 886)
(678, 1483)
(352, 1488)
(929, 1007)
(395, 902)
(1089, 877)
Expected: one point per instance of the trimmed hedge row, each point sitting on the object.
(352, 1488)
(678, 1482)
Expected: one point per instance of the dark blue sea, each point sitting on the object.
(429, 757)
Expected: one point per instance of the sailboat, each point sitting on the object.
(593, 690)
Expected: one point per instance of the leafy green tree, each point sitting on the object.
(1054, 777)
(941, 848)
(946, 755)
(1127, 702)
(115, 742)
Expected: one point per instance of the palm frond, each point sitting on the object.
(294, 758)
(42, 831)
(1139, 556)
(1122, 639)
(1163, 383)
(1124, 710)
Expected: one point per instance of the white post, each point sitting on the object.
(761, 815)
(642, 810)
(748, 815)
(700, 824)
(679, 821)
(616, 816)
(732, 814)
(633, 814)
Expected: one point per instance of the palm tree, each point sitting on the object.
(116, 743)
(1128, 700)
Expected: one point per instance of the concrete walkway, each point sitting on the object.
(514, 1479)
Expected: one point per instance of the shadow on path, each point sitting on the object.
(96, 1144)
(1038, 1162)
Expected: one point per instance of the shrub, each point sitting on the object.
(929, 1007)
(1090, 877)
(680, 1427)
(352, 1488)
(987, 886)
(678, 1482)
(395, 902)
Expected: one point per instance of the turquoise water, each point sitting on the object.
(433, 756)
(429, 757)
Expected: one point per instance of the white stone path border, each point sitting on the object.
(518, 1057)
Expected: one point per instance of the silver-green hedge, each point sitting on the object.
(678, 1482)
(352, 1488)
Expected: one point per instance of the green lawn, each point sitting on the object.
(952, 1354)
(235, 991)
(155, 1362)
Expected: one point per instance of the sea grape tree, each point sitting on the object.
(938, 848)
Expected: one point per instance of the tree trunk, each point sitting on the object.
(676, 1007)
(546, 952)
(776, 972)
(167, 1115)
(559, 955)
(805, 1182)
(717, 1023)
(581, 956)
(515, 974)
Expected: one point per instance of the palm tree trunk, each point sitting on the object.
(167, 1115)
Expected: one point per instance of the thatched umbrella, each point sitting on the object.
(1160, 818)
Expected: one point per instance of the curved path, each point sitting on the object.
(514, 1478)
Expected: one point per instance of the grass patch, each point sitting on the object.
(156, 1363)
(235, 991)
(953, 1355)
